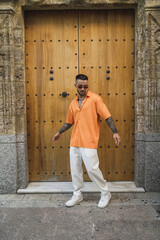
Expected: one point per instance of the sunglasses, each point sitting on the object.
(82, 86)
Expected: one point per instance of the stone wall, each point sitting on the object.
(13, 133)
(13, 147)
(148, 103)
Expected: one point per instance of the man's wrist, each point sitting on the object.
(115, 132)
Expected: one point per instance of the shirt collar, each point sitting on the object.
(88, 94)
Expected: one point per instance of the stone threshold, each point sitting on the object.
(67, 187)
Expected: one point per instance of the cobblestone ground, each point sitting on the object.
(45, 217)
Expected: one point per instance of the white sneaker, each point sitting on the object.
(104, 201)
(74, 200)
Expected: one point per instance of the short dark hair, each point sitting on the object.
(81, 77)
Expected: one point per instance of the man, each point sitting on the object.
(85, 112)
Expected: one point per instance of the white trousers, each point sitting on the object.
(91, 161)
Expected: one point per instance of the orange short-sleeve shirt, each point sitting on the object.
(86, 120)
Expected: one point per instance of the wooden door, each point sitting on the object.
(59, 45)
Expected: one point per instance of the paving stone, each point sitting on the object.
(40, 197)
(112, 223)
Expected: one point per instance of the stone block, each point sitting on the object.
(152, 124)
(5, 90)
(19, 73)
(1, 73)
(7, 124)
(139, 173)
(1, 106)
(5, 106)
(22, 165)
(18, 37)
(139, 110)
(139, 123)
(152, 166)
(158, 86)
(140, 88)
(18, 57)
(21, 138)
(13, 162)
(4, 20)
(151, 3)
(18, 106)
(152, 137)
(8, 169)
(21, 124)
(5, 73)
(140, 66)
(2, 38)
(18, 90)
(7, 139)
(152, 106)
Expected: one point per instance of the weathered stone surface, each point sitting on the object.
(21, 124)
(152, 166)
(152, 124)
(139, 163)
(152, 3)
(7, 124)
(148, 137)
(140, 88)
(80, 222)
(139, 123)
(18, 37)
(8, 169)
(19, 73)
(13, 162)
(20, 138)
(22, 166)
(139, 110)
(18, 58)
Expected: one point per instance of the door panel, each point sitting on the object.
(51, 45)
(106, 46)
(71, 42)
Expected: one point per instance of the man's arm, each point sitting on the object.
(111, 124)
(116, 136)
(65, 127)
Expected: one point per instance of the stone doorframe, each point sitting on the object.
(13, 126)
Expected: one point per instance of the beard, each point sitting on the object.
(81, 92)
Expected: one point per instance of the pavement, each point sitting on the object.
(129, 216)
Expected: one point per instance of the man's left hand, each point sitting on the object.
(117, 138)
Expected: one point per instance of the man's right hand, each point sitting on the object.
(56, 137)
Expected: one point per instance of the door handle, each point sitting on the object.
(64, 94)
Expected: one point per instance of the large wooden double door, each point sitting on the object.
(60, 45)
